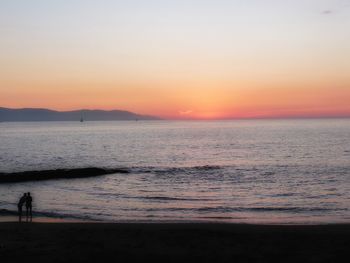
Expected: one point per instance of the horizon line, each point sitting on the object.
(169, 118)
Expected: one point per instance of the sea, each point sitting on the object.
(294, 171)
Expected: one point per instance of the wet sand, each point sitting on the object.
(102, 242)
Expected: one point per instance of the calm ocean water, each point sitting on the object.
(256, 171)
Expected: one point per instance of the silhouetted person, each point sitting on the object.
(29, 201)
(22, 200)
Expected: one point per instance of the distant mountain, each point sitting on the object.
(28, 114)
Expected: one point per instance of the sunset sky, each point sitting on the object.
(200, 59)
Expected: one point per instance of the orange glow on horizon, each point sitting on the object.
(195, 103)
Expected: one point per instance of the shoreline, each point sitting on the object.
(12, 218)
(41, 220)
(207, 242)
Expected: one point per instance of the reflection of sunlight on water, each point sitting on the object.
(242, 171)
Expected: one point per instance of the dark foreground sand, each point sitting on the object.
(89, 242)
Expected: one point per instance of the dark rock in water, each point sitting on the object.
(56, 174)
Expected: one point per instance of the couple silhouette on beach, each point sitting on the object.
(27, 200)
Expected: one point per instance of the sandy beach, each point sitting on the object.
(100, 242)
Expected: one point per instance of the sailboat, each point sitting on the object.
(81, 118)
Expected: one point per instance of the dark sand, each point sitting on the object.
(96, 242)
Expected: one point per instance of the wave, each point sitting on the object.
(165, 198)
(221, 209)
(270, 209)
(153, 198)
(218, 213)
(206, 171)
(73, 173)
(177, 170)
(17, 177)
(6, 212)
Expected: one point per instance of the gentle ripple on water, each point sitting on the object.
(282, 171)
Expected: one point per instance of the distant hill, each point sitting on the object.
(28, 114)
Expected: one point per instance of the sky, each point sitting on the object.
(178, 59)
